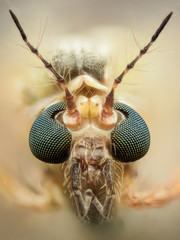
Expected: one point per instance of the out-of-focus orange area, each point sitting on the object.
(152, 88)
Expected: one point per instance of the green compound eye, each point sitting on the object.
(49, 140)
(130, 139)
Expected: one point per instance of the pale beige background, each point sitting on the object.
(153, 88)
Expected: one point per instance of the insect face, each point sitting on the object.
(88, 130)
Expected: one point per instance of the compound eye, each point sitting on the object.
(130, 139)
(49, 140)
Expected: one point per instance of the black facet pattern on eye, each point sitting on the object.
(130, 139)
(49, 140)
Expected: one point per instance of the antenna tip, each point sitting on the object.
(169, 15)
(11, 12)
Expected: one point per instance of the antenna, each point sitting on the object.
(108, 105)
(70, 102)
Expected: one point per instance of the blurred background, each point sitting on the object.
(152, 88)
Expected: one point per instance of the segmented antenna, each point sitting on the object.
(108, 105)
(70, 102)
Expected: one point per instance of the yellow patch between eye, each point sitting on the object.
(89, 107)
